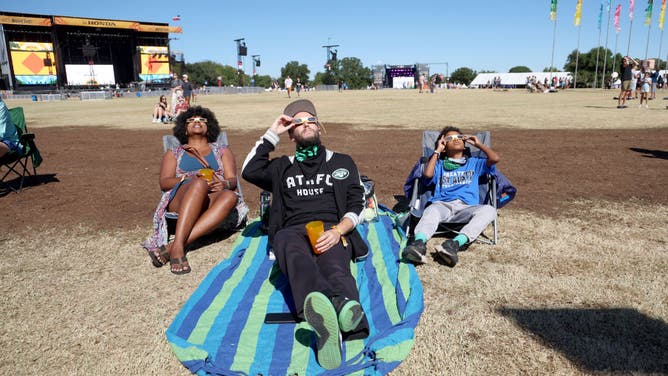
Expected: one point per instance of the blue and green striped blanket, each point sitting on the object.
(221, 330)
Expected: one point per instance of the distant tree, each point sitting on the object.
(520, 69)
(463, 75)
(209, 71)
(587, 65)
(324, 78)
(488, 71)
(351, 71)
(552, 69)
(263, 81)
(295, 71)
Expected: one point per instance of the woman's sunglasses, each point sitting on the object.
(196, 119)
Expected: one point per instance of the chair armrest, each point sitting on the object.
(26, 137)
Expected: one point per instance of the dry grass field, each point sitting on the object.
(577, 284)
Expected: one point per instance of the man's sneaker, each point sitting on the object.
(349, 311)
(415, 252)
(321, 315)
(447, 251)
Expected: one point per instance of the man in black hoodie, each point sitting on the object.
(314, 184)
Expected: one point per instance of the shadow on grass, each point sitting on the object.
(14, 185)
(611, 340)
(651, 153)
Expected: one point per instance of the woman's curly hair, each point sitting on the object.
(180, 126)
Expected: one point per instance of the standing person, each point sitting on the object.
(175, 90)
(645, 85)
(456, 196)
(288, 85)
(187, 88)
(298, 86)
(9, 135)
(202, 201)
(314, 184)
(626, 70)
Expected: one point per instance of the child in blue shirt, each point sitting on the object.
(456, 198)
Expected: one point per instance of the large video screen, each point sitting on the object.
(154, 63)
(90, 74)
(33, 63)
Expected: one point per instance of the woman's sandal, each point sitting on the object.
(159, 256)
(185, 268)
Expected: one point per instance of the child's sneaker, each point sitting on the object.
(415, 252)
(447, 252)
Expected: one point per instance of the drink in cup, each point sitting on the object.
(207, 173)
(314, 229)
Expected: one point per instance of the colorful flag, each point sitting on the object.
(631, 10)
(607, 7)
(600, 15)
(578, 13)
(648, 12)
(553, 10)
(618, 12)
(662, 14)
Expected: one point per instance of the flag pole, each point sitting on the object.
(649, 27)
(598, 51)
(628, 47)
(605, 57)
(577, 57)
(554, 42)
(614, 56)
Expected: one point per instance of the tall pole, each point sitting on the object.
(614, 56)
(577, 58)
(649, 27)
(598, 51)
(628, 47)
(554, 42)
(605, 56)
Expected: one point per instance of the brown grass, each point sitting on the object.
(76, 301)
(386, 108)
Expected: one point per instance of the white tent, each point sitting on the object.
(514, 79)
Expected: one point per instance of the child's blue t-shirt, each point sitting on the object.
(461, 183)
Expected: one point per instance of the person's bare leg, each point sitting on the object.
(220, 206)
(4, 149)
(189, 202)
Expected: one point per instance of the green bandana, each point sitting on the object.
(305, 152)
(451, 165)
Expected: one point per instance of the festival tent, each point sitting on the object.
(514, 79)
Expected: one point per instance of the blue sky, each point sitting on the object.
(481, 35)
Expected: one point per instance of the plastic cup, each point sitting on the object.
(314, 229)
(207, 173)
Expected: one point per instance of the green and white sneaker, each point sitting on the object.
(321, 315)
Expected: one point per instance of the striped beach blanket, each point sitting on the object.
(221, 330)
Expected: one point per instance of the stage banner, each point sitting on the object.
(33, 63)
(90, 74)
(146, 28)
(29, 21)
(154, 63)
(92, 22)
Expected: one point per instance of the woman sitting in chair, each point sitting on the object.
(9, 136)
(198, 179)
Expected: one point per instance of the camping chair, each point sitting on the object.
(237, 218)
(17, 163)
(420, 194)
